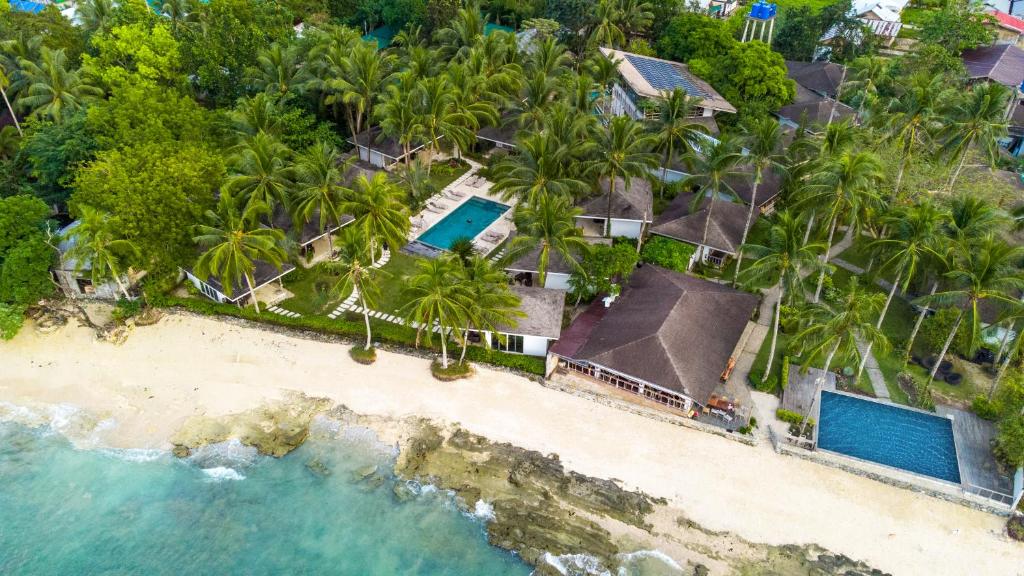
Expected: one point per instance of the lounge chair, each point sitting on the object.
(494, 236)
(456, 193)
(430, 208)
(437, 205)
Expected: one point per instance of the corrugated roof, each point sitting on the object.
(1002, 63)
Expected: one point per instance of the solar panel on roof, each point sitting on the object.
(663, 75)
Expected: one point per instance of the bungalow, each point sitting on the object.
(1008, 29)
(817, 84)
(632, 209)
(312, 240)
(525, 270)
(533, 333)
(882, 17)
(742, 184)
(383, 151)
(263, 277)
(1002, 63)
(643, 80)
(668, 338)
(75, 278)
(502, 136)
(724, 230)
(675, 171)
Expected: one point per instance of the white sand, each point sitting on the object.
(185, 365)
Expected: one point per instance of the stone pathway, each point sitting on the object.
(281, 311)
(349, 302)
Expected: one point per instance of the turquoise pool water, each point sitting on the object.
(466, 221)
(227, 510)
(907, 439)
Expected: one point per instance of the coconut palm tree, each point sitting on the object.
(549, 57)
(763, 139)
(491, 304)
(912, 119)
(982, 270)
(379, 210)
(836, 330)
(440, 116)
(436, 297)
(782, 261)
(540, 91)
(675, 130)
(975, 118)
(177, 11)
(548, 222)
(604, 71)
(398, 118)
(364, 71)
(280, 69)
(621, 150)
(95, 15)
(606, 29)
(537, 169)
(233, 241)
(849, 189)
(260, 113)
(914, 240)
(5, 82)
(261, 171)
(318, 192)
(711, 171)
(465, 30)
(52, 89)
(869, 72)
(355, 275)
(96, 243)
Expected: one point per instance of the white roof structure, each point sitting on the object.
(887, 10)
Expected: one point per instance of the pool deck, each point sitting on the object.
(973, 437)
(454, 195)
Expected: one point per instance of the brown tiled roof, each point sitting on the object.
(528, 263)
(1002, 63)
(667, 328)
(633, 203)
(725, 231)
(820, 77)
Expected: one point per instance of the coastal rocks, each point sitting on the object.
(539, 509)
(274, 429)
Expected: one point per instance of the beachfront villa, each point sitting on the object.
(266, 285)
(383, 151)
(312, 237)
(525, 270)
(75, 278)
(533, 333)
(644, 79)
(632, 210)
(668, 338)
(723, 220)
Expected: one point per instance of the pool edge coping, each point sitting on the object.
(463, 201)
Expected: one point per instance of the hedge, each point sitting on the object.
(784, 377)
(382, 331)
(790, 417)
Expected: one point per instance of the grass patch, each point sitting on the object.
(392, 282)
(858, 253)
(363, 355)
(815, 5)
(312, 290)
(454, 371)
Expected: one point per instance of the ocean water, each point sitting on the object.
(227, 510)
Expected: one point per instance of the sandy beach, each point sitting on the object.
(185, 366)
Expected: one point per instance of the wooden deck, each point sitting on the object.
(973, 437)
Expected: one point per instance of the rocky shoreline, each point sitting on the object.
(540, 509)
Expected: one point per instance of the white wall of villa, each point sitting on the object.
(557, 281)
(520, 343)
(375, 157)
(627, 228)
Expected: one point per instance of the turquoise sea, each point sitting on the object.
(227, 510)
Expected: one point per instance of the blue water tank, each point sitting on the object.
(756, 10)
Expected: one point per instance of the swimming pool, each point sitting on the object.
(907, 439)
(466, 221)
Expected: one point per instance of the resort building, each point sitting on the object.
(817, 84)
(768, 189)
(643, 80)
(533, 333)
(266, 285)
(668, 338)
(313, 242)
(632, 210)
(525, 271)
(383, 151)
(75, 278)
(503, 136)
(724, 230)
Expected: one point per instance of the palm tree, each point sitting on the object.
(548, 222)
(868, 73)
(95, 15)
(977, 117)
(436, 297)
(911, 119)
(763, 139)
(398, 118)
(379, 211)
(364, 72)
(355, 274)
(234, 241)
(537, 169)
(837, 330)
(983, 270)
(849, 190)
(52, 88)
(96, 243)
(621, 150)
(549, 57)
(675, 130)
(177, 11)
(464, 31)
(914, 240)
(439, 115)
(491, 304)
(261, 171)
(4, 83)
(280, 69)
(782, 261)
(259, 113)
(604, 71)
(318, 192)
(606, 31)
(711, 170)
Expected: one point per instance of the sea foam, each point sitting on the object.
(222, 473)
(573, 564)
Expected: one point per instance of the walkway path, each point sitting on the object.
(351, 300)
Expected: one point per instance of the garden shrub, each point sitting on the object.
(935, 330)
(1009, 443)
(1015, 527)
(668, 253)
(454, 371)
(784, 378)
(790, 417)
(363, 355)
(985, 408)
(11, 319)
(125, 309)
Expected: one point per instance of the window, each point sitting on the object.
(512, 343)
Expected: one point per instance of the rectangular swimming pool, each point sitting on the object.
(907, 439)
(466, 221)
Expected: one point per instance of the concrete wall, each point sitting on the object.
(627, 228)
(557, 281)
(377, 159)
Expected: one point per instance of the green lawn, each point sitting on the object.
(392, 282)
(815, 5)
(312, 290)
(858, 254)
